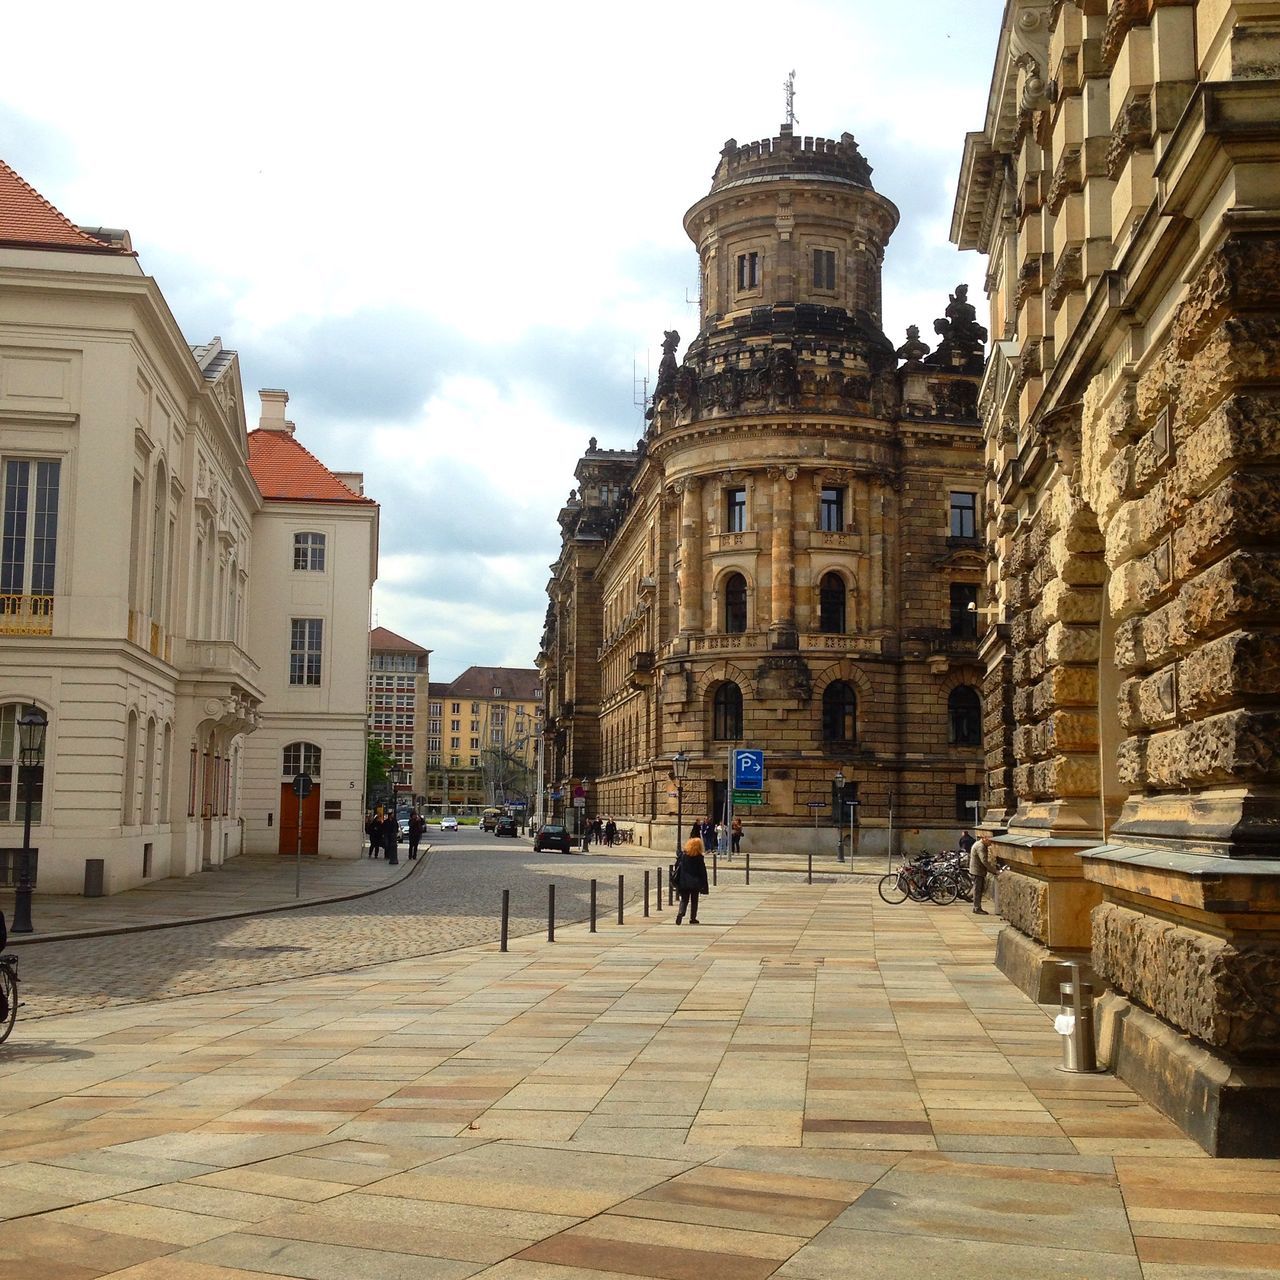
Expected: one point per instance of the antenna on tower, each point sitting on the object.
(789, 84)
(640, 384)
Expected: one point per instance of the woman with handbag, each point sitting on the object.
(691, 880)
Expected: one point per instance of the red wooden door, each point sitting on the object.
(289, 820)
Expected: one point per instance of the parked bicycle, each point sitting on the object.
(924, 879)
(8, 995)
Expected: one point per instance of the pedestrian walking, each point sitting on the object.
(391, 838)
(981, 864)
(735, 837)
(417, 825)
(586, 836)
(691, 880)
(965, 843)
(610, 832)
(373, 829)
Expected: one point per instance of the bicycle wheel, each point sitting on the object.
(942, 890)
(964, 885)
(8, 1001)
(918, 887)
(891, 887)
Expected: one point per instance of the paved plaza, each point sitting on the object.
(811, 1084)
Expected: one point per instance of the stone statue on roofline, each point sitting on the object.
(963, 344)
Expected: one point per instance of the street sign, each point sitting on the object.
(557, 795)
(748, 771)
(579, 802)
(519, 804)
(302, 785)
(747, 799)
(816, 804)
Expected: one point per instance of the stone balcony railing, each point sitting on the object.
(220, 659)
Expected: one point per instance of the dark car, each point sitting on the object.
(552, 837)
(506, 826)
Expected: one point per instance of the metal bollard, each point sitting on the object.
(1074, 1024)
(551, 913)
(810, 865)
(671, 885)
(748, 868)
(593, 906)
(620, 891)
(659, 887)
(646, 895)
(714, 867)
(506, 916)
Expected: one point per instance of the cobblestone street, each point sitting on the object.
(452, 900)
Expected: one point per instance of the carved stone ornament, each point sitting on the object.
(1029, 51)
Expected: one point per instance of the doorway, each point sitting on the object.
(289, 820)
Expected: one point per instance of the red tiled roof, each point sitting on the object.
(28, 220)
(518, 684)
(383, 641)
(287, 472)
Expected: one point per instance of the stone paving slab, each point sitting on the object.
(776, 1094)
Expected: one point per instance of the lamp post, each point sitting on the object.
(839, 781)
(680, 767)
(32, 724)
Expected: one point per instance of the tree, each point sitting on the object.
(378, 765)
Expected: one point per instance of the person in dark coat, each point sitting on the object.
(610, 832)
(390, 838)
(373, 829)
(695, 831)
(587, 828)
(417, 825)
(691, 880)
(707, 833)
(965, 843)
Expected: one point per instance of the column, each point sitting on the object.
(783, 611)
(690, 491)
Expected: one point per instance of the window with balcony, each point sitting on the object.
(964, 515)
(726, 713)
(29, 544)
(964, 717)
(964, 610)
(735, 511)
(308, 552)
(831, 511)
(839, 713)
(831, 604)
(306, 643)
(735, 604)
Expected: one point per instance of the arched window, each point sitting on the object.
(12, 794)
(301, 757)
(129, 798)
(727, 714)
(159, 527)
(839, 713)
(831, 597)
(964, 715)
(735, 604)
(149, 773)
(166, 764)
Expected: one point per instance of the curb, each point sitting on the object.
(27, 940)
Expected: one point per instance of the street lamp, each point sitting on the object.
(32, 724)
(680, 767)
(839, 781)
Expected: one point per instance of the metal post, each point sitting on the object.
(297, 856)
(748, 868)
(22, 891)
(506, 915)
(810, 866)
(659, 887)
(715, 867)
(646, 895)
(551, 913)
(620, 890)
(593, 906)
(679, 815)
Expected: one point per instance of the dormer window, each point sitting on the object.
(824, 269)
(748, 271)
(308, 552)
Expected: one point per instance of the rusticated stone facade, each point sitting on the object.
(1127, 192)
(790, 558)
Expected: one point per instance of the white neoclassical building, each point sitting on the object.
(129, 514)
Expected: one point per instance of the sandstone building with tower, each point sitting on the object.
(1125, 188)
(791, 557)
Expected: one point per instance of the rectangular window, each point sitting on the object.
(964, 515)
(964, 610)
(966, 795)
(455, 707)
(455, 726)
(29, 543)
(748, 271)
(454, 744)
(308, 552)
(735, 510)
(306, 640)
(824, 268)
(475, 744)
(831, 511)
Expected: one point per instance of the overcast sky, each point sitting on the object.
(452, 232)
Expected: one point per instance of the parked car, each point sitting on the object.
(552, 837)
(506, 826)
(448, 824)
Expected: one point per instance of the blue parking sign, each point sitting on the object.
(748, 770)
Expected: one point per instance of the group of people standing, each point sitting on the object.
(724, 838)
(600, 831)
(384, 836)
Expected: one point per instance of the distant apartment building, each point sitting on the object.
(482, 735)
(398, 677)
